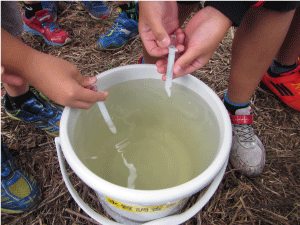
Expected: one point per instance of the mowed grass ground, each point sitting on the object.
(271, 198)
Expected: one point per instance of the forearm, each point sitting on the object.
(16, 56)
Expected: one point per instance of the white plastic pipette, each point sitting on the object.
(107, 117)
(171, 59)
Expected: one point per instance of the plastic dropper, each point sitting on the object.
(107, 117)
(171, 60)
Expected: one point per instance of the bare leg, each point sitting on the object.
(255, 45)
(184, 10)
(290, 49)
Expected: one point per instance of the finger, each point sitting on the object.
(162, 66)
(82, 104)
(12, 80)
(179, 36)
(154, 50)
(180, 48)
(195, 65)
(92, 87)
(86, 81)
(185, 59)
(91, 96)
(160, 33)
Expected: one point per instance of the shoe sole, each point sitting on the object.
(11, 211)
(97, 18)
(34, 32)
(82, 7)
(16, 118)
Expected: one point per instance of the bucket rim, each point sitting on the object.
(149, 197)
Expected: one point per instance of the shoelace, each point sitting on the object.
(51, 25)
(38, 109)
(245, 132)
(118, 23)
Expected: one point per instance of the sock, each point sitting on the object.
(277, 68)
(17, 102)
(130, 10)
(232, 107)
(31, 9)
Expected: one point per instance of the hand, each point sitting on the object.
(12, 80)
(203, 33)
(158, 20)
(58, 79)
(62, 82)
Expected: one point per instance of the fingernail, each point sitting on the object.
(165, 41)
(177, 69)
(94, 88)
(92, 79)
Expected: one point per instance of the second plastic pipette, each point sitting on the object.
(171, 59)
(107, 117)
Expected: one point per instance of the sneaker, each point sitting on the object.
(36, 92)
(97, 9)
(40, 113)
(141, 60)
(19, 190)
(121, 32)
(42, 24)
(51, 6)
(286, 87)
(247, 152)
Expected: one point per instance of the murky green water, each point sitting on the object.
(161, 142)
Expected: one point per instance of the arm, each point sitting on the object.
(58, 79)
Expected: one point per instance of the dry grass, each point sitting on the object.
(272, 198)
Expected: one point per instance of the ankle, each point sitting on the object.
(233, 107)
(277, 68)
(17, 101)
(31, 9)
(130, 10)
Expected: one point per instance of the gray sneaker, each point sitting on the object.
(247, 154)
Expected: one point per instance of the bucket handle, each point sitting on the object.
(174, 219)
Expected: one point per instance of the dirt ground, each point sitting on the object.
(271, 198)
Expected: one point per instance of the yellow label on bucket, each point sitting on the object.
(141, 209)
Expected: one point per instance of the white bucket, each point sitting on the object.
(129, 206)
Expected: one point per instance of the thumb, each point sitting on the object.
(87, 81)
(185, 60)
(160, 34)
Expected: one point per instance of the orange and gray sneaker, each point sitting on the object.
(286, 86)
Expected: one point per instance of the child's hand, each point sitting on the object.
(11, 79)
(57, 78)
(62, 82)
(157, 21)
(203, 33)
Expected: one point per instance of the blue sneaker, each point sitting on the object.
(51, 6)
(40, 113)
(19, 190)
(97, 9)
(121, 32)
